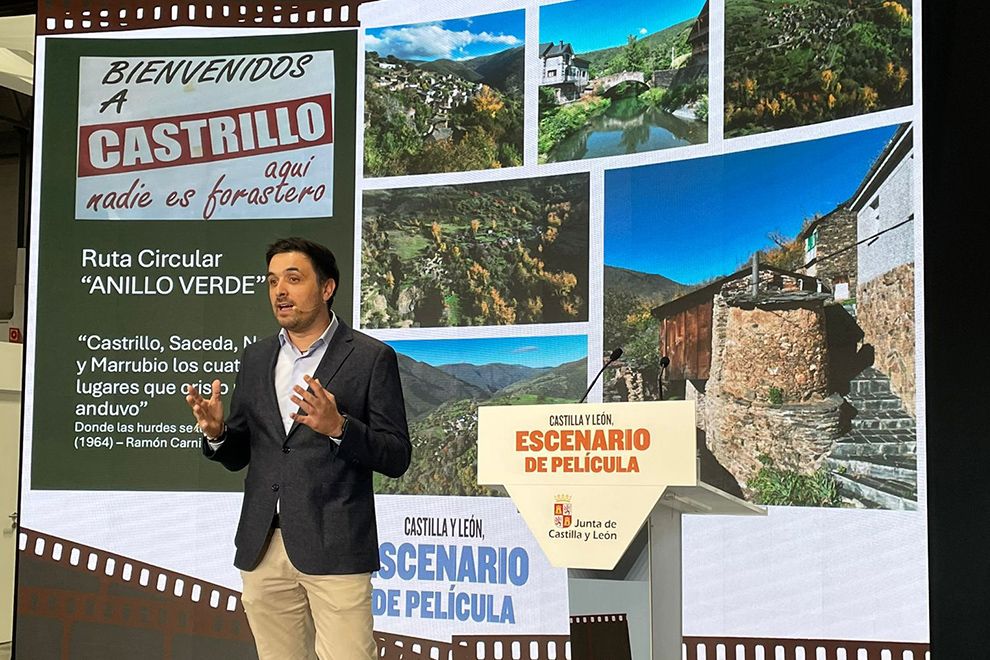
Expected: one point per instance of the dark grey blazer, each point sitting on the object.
(327, 506)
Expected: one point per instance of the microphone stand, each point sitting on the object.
(664, 363)
(615, 355)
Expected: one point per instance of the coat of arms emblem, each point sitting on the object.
(562, 516)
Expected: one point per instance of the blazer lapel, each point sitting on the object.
(270, 404)
(340, 347)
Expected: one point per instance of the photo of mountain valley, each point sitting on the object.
(444, 96)
(445, 380)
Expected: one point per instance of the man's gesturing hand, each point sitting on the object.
(208, 412)
(319, 408)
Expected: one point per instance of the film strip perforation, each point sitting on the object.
(412, 648)
(514, 647)
(108, 565)
(742, 648)
(76, 16)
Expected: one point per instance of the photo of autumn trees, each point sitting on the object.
(798, 62)
(444, 97)
(501, 253)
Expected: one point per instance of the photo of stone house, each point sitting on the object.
(885, 299)
(563, 72)
(788, 379)
(830, 251)
(755, 358)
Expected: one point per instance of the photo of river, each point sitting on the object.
(629, 126)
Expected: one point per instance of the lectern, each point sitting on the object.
(586, 476)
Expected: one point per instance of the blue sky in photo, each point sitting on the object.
(702, 218)
(526, 351)
(593, 24)
(455, 39)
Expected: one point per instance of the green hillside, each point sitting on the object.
(445, 441)
(629, 298)
(459, 69)
(490, 377)
(481, 254)
(426, 387)
(652, 289)
(797, 62)
(502, 70)
(657, 44)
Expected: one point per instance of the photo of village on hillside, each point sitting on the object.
(443, 383)
(784, 307)
(793, 63)
(444, 96)
(637, 81)
(502, 253)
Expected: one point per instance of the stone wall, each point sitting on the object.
(623, 383)
(798, 437)
(755, 350)
(885, 312)
(770, 281)
(694, 390)
(663, 77)
(836, 232)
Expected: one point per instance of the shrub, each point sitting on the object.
(776, 487)
(653, 97)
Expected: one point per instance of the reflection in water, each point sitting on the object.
(629, 127)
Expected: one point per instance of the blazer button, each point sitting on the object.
(275, 487)
(285, 450)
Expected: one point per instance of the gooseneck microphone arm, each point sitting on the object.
(613, 356)
(664, 363)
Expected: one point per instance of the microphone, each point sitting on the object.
(613, 356)
(304, 310)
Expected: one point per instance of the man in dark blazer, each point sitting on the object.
(316, 410)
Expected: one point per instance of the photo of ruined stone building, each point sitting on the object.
(789, 376)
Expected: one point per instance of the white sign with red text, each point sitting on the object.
(205, 138)
(586, 476)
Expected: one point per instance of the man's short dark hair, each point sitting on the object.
(324, 263)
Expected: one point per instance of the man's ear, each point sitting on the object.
(328, 288)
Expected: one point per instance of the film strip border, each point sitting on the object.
(743, 648)
(174, 604)
(80, 16)
(475, 647)
(129, 594)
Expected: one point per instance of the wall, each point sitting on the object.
(885, 294)
(752, 351)
(796, 437)
(16, 320)
(835, 233)
(770, 348)
(10, 440)
(885, 312)
(10, 174)
(894, 204)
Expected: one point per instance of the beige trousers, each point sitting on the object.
(295, 616)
